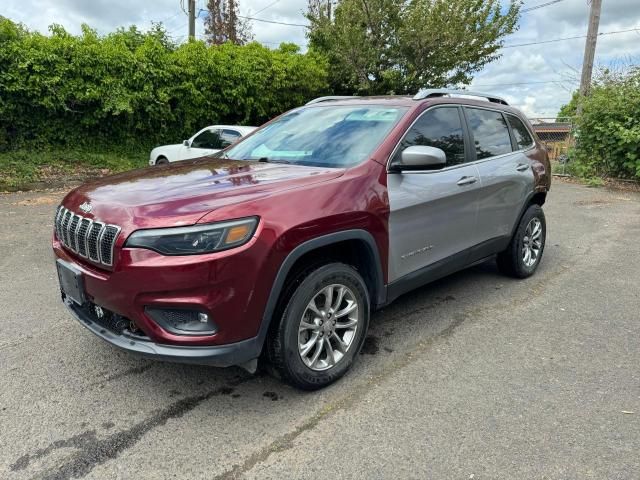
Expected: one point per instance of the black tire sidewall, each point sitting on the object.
(521, 270)
(296, 371)
(162, 161)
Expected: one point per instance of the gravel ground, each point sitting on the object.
(476, 376)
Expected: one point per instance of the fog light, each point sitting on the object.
(182, 321)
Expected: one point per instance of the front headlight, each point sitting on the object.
(196, 239)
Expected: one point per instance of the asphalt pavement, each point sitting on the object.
(476, 376)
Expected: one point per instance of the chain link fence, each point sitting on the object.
(558, 136)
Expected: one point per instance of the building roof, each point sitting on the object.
(555, 127)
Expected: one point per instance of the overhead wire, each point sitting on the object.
(539, 42)
(542, 5)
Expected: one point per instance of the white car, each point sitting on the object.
(207, 141)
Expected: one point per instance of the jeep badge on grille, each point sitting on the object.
(86, 207)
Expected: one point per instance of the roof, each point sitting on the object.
(408, 101)
(242, 128)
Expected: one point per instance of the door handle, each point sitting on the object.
(521, 167)
(467, 181)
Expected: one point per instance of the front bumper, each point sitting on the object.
(223, 284)
(243, 353)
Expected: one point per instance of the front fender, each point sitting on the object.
(308, 246)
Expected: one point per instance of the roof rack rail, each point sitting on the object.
(331, 98)
(445, 92)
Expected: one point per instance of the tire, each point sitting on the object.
(292, 348)
(162, 161)
(514, 260)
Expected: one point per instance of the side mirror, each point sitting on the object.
(186, 143)
(421, 157)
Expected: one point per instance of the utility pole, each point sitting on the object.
(192, 19)
(590, 48)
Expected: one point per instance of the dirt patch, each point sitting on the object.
(54, 178)
(370, 346)
(272, 395)
(594, 202)
(613, 184)
(40, 200)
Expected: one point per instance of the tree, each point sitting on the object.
(608, 128)
(569, 109)
(395, 46)
(222, 23)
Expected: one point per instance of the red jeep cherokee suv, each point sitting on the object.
(281, 246)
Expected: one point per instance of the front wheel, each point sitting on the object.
(162, 161)
(322, 328)
(523, 255)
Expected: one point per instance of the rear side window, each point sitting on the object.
(228, 137)
(230, 134)
(490, 132)
(440, 128)
(520, 132)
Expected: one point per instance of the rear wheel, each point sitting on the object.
(162, 161)
(322, 327)
(523, 255)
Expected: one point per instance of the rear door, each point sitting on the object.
(433, 212)
(505, 174)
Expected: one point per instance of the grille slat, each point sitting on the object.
(88, 238)
(59, 213)
(92, 241)
(83, 229)
(65, 227)
(109, 235)
(73, 228)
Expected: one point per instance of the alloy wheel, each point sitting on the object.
(328, 327)
(532, 242)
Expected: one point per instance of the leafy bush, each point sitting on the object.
(608, 129)
(137, 89)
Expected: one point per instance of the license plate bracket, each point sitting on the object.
(71, 281)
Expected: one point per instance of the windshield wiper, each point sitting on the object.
(268, 160)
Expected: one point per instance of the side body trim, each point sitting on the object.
(445, 267)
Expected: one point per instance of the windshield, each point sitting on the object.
(320, 136)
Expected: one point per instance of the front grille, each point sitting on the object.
(88, 238)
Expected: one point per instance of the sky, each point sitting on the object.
(536, 78)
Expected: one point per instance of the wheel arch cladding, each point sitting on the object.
(324, 247)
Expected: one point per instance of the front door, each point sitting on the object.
(433, 213)
(204, 143)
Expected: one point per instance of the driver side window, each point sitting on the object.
(207, 139)
(441, 128)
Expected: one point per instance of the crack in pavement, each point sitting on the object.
(94, 451)
(124, 373)
(77, 441)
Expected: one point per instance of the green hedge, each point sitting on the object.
(608, 129)
(138, 89)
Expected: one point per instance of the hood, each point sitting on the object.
(181, 193)
(164, 147)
